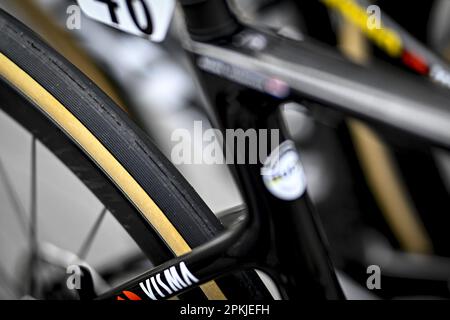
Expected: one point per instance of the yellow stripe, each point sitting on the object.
(74, 128)
(386, 38)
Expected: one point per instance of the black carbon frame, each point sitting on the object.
(284, 238)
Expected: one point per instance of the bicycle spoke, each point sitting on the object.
(33, 218)
(15, 200)
(84, 250)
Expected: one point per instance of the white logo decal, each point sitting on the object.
(258, 81)
(283, 173)
(157, 287)
(148, 18)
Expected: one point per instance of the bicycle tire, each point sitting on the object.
(33, 73)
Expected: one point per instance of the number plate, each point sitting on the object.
(147, 18)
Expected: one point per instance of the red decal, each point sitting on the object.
(129, 296)
(415, 62)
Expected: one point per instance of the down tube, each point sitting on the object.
(289, 235)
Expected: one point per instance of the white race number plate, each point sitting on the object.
(147, 18)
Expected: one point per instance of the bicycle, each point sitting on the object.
(246, 83)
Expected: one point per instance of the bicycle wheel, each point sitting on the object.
(63, 114)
